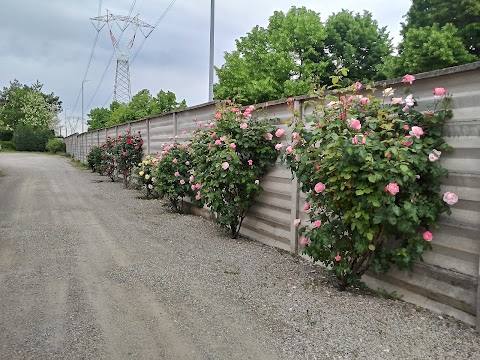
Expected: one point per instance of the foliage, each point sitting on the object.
(230, 158)
(431, 48)
(371, 177)
(143, 104)
(463, 14)
(108, 164)
(174, 177)
(128, 153)
(30, 138)
(144, 174)
(356, 42)
(94, 159)
(7, 145)
(56, 145)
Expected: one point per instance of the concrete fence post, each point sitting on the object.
(148, 136)
(175, 126)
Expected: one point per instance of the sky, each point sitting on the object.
(52, 41)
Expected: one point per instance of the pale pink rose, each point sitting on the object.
(198, 196)
(358, 85)
(279, 133)
(193, 187)
(409, 101)
(332, 104)
(279, 146)
(364, 101)
(243, 125)
(408, 78)
(191, 179)
(218, 116)
(450, 198)
(437, 152)
(397, 101)
(184, 132)
(290, 100)
(225, 165)
(407, 141)
(198, 186)
(304, 241)
(199, 123)
(416, 131)
(187, 163)
(177, 174)
(232, 146)
(175, 160)
(223, 138)
(440, 91)
(214, 135)
(269, 136)
(182, 182)
(297, 222)
(358, 140)
(317, 223)
(355, 124)
(295, 135)
(338, 257)
(319, 187)
(432, 157)
(218, 142)
(257, 182)
(392, 188)
(235, 110)
(289, 150)
(250, 162)
(405, 108)
(251, 108)
(427, 236)
(406, 127)
(306, 206)
(388, 92)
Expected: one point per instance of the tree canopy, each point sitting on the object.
(143, 104)
(297, 49)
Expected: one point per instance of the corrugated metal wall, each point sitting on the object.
(448, 280)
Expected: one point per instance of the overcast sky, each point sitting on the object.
(51, 40)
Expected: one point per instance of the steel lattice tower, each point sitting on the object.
(122, 90)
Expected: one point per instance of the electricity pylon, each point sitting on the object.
(122, 90)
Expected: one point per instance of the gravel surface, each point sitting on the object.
(89, 270)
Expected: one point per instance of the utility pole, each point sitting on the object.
(65, 121)
(122, 90)
(83, 82)
(212, 43)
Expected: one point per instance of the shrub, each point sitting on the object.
(128, 149)
(174, 176)
(94, 159)
(56, 146)
(108, 164)
(144, 175)
(230, 158)
(7, 145)
(372, 179)
(30, 138)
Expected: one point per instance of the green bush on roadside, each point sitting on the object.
(56, 146)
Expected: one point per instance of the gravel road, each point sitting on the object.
(89, 270)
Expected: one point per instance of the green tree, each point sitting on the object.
(356, 42)
(464, 14)
(431, 48)
(98, 118)
(275, 62)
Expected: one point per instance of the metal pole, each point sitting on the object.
(83, 82)
(65, 122)
(212, 41)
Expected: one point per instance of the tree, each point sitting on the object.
(431, 48)
(355, 41)
(275, 62)
(464, 14)
(99, 117)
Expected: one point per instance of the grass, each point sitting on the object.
(79, 165)
(2, 174)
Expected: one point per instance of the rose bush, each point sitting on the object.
(230, 158)
(128, 153)
(144, 177)
(372, 185)
(94, 159)
(108, 164)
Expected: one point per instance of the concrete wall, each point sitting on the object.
(448, 280)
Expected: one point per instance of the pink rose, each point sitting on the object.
(440, 91)
(388, 156)
(407, 141)
(193, 187)
(279, 133)
(319, 187)
(187, 163)
(295, 135)
(223, 138)
(304, 241)
(218, 142)
(406, 127)
(218, 116)
(338, 257)
(214, 135)
(175, 160)
(232, 146)
(177, 174)
(279, 146)
(364, 101)
(450, 198)
(243, 125)
(355, 124)
(269, 136)
(408, 78)
(199, 123)
(191, 179)
(289, 149)
(392, 188)
(397, 101)
(198, 186)
(297, 222)
(358, 85)
(306, 207)
(432, 157)
(182, 182)
(416, 131)
(427, 236)
(225, 165)
(317, 223)
(198, 196)
(250, 162)
(409, 101)
(358, 140)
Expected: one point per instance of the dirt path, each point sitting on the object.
(63, 289)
